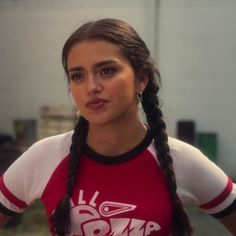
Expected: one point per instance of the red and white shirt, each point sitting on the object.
(119, 195)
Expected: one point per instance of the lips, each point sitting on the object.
(96, 103)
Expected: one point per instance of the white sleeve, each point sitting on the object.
(26, 178)
(200, 181)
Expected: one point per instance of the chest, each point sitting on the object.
(130, 198)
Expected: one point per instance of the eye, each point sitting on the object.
(77, 76)
(107, 71)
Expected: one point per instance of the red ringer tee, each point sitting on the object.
(122, 195)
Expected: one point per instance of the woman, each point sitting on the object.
(115, 175)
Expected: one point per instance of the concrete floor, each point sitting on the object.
(205, 225)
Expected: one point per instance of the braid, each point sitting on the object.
(60, 219)
(135, 50)
(150, 103)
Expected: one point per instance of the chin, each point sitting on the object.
(98, 120)
(107, 118)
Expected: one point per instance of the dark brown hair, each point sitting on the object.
(135, 50)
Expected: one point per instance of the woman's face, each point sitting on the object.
(102, 82)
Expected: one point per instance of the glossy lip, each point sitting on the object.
(96, 103)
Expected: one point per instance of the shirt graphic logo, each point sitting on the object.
(108, 209)
(89, 219)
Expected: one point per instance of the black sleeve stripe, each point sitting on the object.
(226, 211)
(6, 211)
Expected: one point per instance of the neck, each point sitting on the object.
(114, 139)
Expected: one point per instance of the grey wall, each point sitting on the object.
(193, 42)
(197, 59)
(32, 34)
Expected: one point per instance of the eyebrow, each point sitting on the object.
(97, 65)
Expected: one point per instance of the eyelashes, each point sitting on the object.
(105, 72)
(77, 76)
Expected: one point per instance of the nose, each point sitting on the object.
(93, 85)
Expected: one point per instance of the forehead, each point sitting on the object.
(93, 51)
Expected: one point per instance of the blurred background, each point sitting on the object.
(192, 42)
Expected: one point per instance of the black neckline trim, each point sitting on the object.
(133, 153)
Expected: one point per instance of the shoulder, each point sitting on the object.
(56, 143)
(189, 160)
(31, 171)
(199, 180)
(47, 150)
(179, 148)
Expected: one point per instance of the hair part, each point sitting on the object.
(114, 31)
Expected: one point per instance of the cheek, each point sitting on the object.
(123, 87)
(126, 90)
(75, 94)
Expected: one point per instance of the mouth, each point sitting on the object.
(96, 103)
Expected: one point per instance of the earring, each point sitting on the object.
(139, 97)
(77, 113)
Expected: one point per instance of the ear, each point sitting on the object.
(142, 82)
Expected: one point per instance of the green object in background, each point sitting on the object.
(207, 143)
